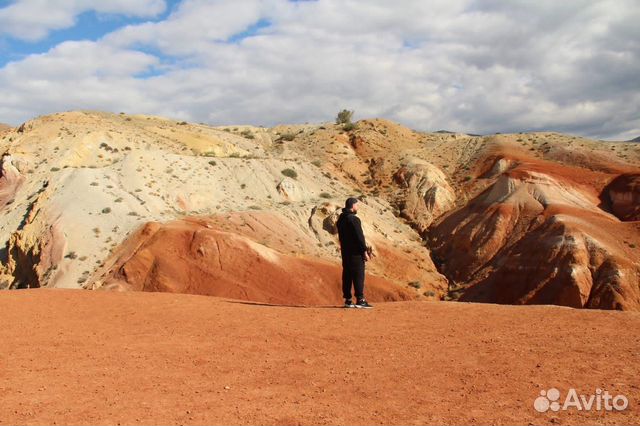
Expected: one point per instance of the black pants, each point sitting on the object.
(353, 273)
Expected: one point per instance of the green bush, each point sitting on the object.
(347, 127)
(290, 173)
(344, 117)
(415, 284)
(247, 134)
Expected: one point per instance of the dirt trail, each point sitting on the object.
(71, 356)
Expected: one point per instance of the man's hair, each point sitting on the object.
(350, 202)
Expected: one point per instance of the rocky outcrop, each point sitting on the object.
(623, 195)
(535, 238)
(36, 248)
(10, 180)
(426, 193)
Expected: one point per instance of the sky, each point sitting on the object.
(571, 66)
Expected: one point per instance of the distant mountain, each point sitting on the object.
(635, 139)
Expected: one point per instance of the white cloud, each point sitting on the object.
(482, 67)
(193, 27)
(33, 19)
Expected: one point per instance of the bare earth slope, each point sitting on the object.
(150, 358)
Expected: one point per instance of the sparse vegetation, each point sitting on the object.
(106, 210)
(55, 169)
(344, 117)
(212, 163)
(349, 127)
(429, 293)
(325, 195)
(415, 284)
(248, 134)
(288, 137)
(290, 173)
(71, 255)
(316, 163)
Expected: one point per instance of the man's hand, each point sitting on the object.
(366, 257)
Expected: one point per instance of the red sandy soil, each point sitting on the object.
(72, 356)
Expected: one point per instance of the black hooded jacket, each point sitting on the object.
(351, 236)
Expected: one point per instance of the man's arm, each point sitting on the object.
(362, 245)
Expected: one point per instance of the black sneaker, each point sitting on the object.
(348, 303)
(363, 304)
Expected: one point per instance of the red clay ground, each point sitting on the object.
(72, 356)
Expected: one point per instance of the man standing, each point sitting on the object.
(354, 253)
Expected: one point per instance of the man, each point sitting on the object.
(354, 254)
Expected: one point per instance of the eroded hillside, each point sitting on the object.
(106, 201)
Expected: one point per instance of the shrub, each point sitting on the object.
(316, 163)
(243, 186)
(71, 255)
(290, 173)
(55, 169)
(415, 284)
(429, 293)
(288, 137)
(344, 117)
(347, 127)
(106, 210)
(212, 163)
(182, 123)
(468, 178)
(247, 134)
(325, 195)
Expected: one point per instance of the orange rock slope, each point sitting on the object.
(209, 256)
(544, 233)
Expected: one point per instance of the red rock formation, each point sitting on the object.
(538, 236)
(197, 256)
